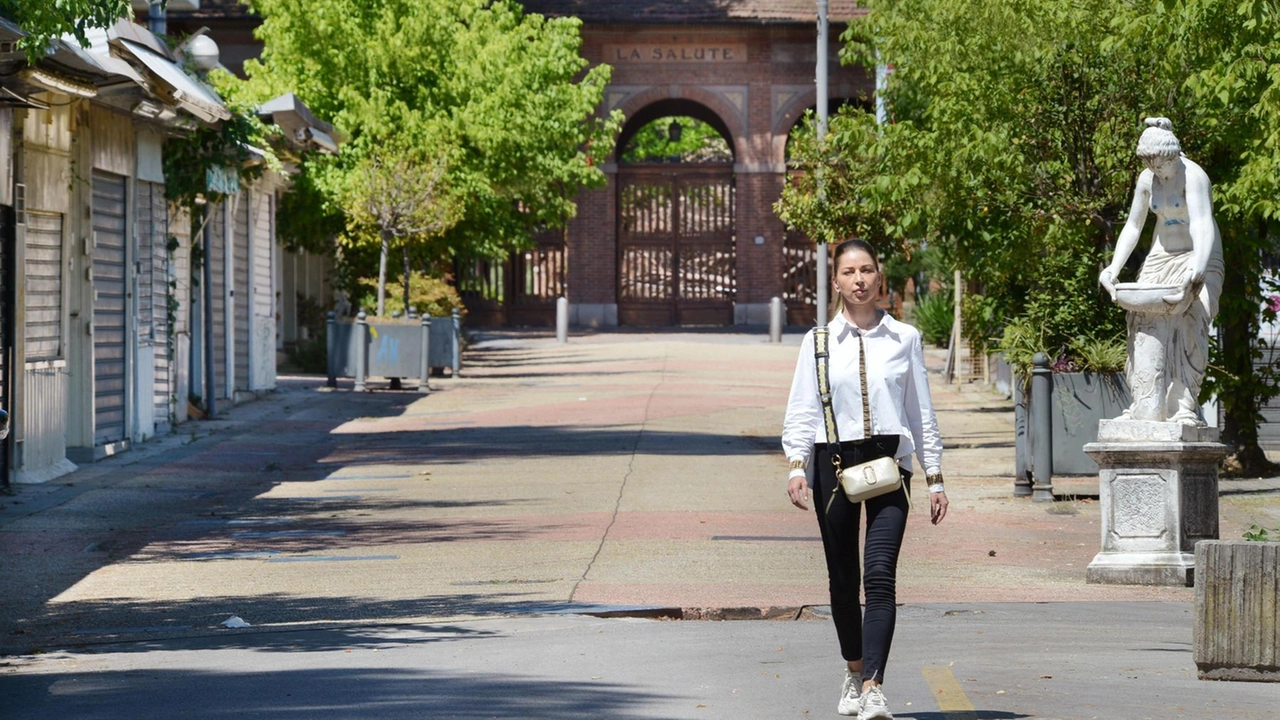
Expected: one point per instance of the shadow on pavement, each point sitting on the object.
(110, 511)
(466, 444)
(974, 715)
(143, 626)
(320, 692)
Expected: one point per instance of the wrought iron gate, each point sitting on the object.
(800, 278)
(521, 290)
(676, 245)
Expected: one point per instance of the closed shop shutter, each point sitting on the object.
(240, 290)
(218, 287)
(153, 286)
(109, 202)
(43, 279)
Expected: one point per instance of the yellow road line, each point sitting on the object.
(946, 689)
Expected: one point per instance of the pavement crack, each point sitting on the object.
(631, 466)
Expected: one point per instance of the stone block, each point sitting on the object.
(1237, 626)
(593, 315)
(1158, 500)
(751, 313)
(1122, 430)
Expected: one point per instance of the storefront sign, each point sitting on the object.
(676, 53)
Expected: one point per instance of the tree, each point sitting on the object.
(401, 196)
(1012, 142)
(508, 92)
(45, 20)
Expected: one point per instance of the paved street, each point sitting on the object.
(464, 535)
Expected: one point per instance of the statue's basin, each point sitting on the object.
(1153, 299)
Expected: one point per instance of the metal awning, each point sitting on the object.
(186, 92)
(110, 72)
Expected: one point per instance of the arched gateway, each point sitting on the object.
(676, 240)
(697, 244)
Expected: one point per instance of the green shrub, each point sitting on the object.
(1019, 342)
(934, 315)
(311, 355)
(430, 295)
(1103, 355)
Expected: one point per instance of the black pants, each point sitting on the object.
(865, 637)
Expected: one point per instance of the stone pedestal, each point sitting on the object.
(1159, 492)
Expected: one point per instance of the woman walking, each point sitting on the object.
(879, 401)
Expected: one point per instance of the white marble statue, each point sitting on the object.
(1175, 298)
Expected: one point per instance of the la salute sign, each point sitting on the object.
(676, 53)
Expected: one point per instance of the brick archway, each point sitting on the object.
(713, 106)
(676, 229)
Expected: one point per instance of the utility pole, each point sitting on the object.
(823, 283)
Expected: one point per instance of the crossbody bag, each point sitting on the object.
(864, 480)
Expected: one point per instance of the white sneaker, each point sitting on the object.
(850, 697)
(874, 706)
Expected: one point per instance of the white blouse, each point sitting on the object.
(896, 381)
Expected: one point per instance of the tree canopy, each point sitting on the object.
(44, 20)
(1010, 146)
(500, 98)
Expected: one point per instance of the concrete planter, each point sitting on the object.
(1237, 629)
(393, 349)
(1080, 400)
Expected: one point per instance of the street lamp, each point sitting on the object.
(674, 131)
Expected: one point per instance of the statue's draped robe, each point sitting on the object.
(1184, 338)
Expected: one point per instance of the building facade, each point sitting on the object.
(662, 244)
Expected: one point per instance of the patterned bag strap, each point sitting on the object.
(822, 361)
(866, 398)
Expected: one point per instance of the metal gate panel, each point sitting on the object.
(240, 289)
(153, 288)
(482, 287)
(109, 337)
(800, 278)
(43, 279)
(538, 279)
(218, 305)
(677, 246)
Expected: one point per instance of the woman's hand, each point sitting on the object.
(798, 491)
(937, 506)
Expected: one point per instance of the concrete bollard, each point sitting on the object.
(331, 347)
(1042, 426)
(1022, 464)
(362, 350)
(457, 342)
(562, 320)
(775, 320)
(426, 355)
